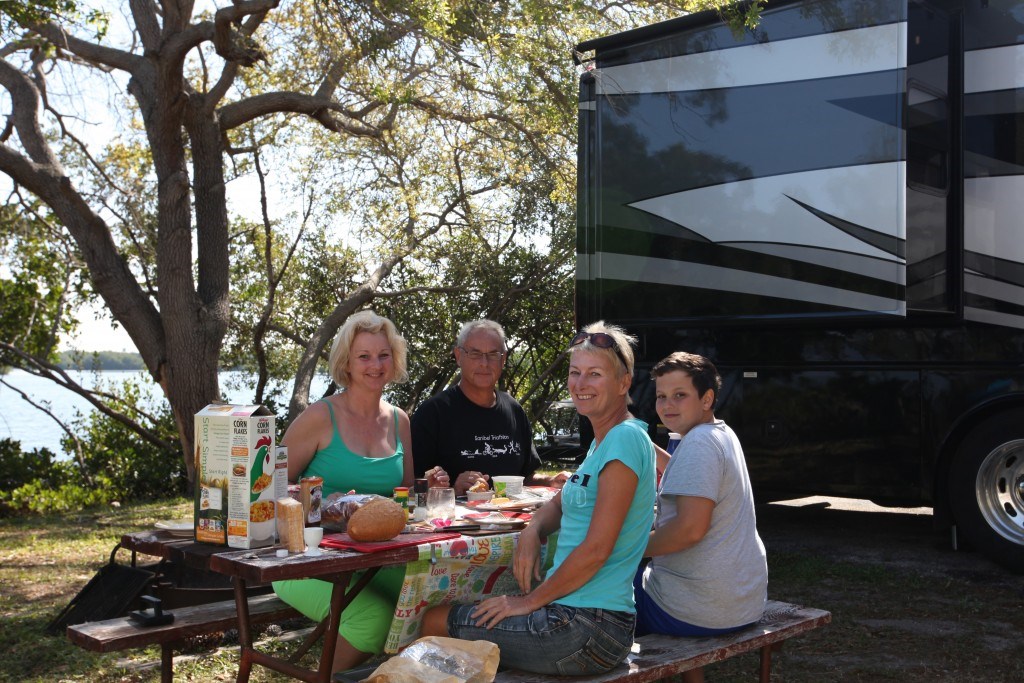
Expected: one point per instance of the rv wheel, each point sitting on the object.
(986, 488)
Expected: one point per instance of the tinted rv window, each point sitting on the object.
(740, 177)
(928, 159)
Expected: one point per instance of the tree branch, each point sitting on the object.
(90, 52)
(26, 100)
(238, 46)
(144, 15)
(329, 114)
(57, 375)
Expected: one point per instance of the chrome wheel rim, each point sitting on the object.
(1000, 490)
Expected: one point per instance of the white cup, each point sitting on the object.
(507, 486)
(312, 535)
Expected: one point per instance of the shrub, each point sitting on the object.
(132, 467)
(19, 467)
(117, 463)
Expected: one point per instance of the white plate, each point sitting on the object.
(520, 502)
(175, 528)
(495, 519)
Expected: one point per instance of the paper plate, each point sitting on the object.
(528, 502)
(175, 528)
(497, 518)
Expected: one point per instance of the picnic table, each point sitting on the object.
(438, 570)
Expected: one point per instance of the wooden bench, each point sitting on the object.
(112, 635)
(656, 656)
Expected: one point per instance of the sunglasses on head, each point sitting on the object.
(601, 340)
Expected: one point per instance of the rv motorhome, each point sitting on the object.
(830, 207)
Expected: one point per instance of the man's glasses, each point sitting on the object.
(492, 357)
(601, 340)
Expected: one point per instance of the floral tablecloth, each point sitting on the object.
(462, 570)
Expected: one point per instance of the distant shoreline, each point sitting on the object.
(100, 360)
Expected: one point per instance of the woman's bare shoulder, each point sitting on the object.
(315, 415)
(403, 417)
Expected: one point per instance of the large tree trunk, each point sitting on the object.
(194, 314)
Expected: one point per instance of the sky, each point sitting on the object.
(97, 334)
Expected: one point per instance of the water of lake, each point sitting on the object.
(22, 422)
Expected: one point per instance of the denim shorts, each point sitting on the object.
(651, 618)
(555, 640)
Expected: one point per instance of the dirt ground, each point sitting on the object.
(905, 606)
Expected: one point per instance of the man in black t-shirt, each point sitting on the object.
(472, 430)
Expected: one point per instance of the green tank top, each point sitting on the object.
(344, 470)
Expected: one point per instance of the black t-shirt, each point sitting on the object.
(451, 431)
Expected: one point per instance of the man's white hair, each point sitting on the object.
(482, 324)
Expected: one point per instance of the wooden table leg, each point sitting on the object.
(341, 597)
(765, 673)
(167, 663)
(244, 632)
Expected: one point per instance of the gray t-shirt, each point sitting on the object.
(722, 581)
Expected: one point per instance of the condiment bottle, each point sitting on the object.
(420, 488)
(402, 498)
(311, 495)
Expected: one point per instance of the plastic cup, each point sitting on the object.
(440, 504)
(507, 486)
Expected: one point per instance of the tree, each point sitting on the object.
(449, 124)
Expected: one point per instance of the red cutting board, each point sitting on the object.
(342, 541)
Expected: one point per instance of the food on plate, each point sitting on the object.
(380, 519)
(479, 486)
(499, 501)
(238, 470)
(338, 507)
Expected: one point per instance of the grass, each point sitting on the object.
(44, 562)
(890, 622)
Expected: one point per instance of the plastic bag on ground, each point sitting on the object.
(434, 659)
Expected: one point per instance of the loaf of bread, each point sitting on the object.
(289, 524)
(381, 519)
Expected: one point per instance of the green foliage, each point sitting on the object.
(40, 498)
(33, 287)
(15, 13)
(18, 468)
(35, 482)
(435, 183)
(116, 463)
(115, 457)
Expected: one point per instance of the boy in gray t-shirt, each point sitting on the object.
(709, 573)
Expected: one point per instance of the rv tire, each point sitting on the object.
(986, 488)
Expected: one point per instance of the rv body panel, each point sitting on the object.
(831, 208)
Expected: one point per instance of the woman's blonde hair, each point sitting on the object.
(366, 321)
(621, 354)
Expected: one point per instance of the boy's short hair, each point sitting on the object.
(702, 372)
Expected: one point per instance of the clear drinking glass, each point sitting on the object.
(440, 504)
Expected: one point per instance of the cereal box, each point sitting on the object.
(239, 475)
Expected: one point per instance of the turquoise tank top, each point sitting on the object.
(344, 470)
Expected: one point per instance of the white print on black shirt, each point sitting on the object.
(489, 451)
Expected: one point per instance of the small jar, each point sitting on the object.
(402, 498)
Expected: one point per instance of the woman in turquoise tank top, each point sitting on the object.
(578, 619)
(357, 441)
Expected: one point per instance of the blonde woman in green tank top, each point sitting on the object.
(356, 441)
